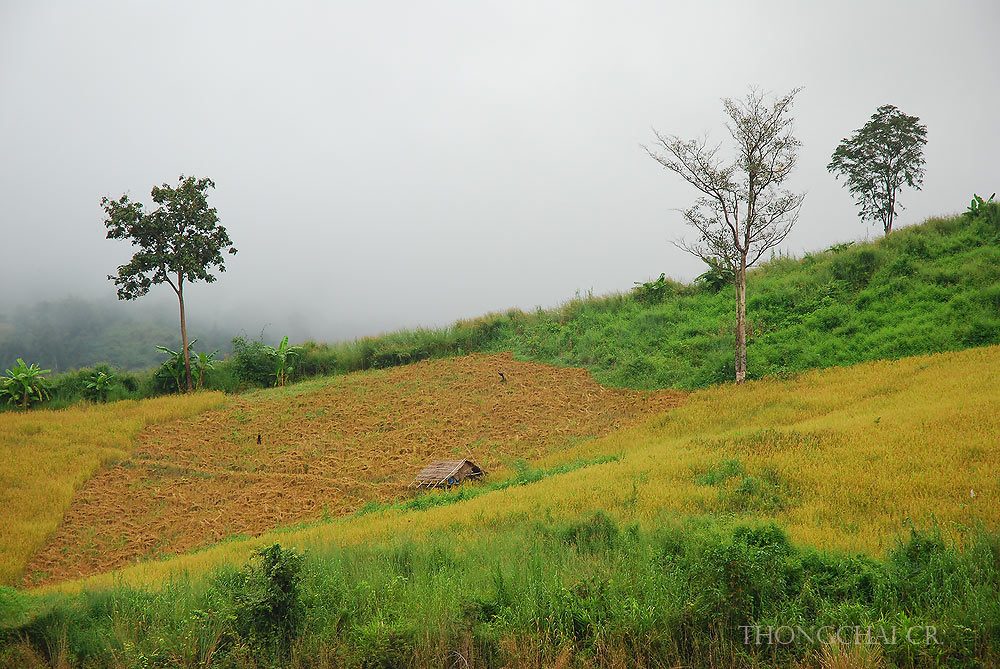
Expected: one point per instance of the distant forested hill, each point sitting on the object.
(74, 332)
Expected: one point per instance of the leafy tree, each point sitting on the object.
(24, 384)
(743, 210)
(881, 156)
(179, 242)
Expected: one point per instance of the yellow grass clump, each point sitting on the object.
(842, 458)
(47, 455)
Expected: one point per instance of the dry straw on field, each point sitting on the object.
(45, 456)
(842, 458)
(326, 448)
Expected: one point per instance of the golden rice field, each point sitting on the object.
(45, 456)
(843, 458)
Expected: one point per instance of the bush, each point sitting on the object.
(265, 597)
(715, 278)
(654, 292)
(253, 361)
(597, 532)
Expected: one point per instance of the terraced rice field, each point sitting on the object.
(326, 448)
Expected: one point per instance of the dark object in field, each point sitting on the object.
(258, 438)
(446, 473)
(503, 379)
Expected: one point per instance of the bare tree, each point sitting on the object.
(743, 210)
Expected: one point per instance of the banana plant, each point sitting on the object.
(204, 361)
(174, 365)
(99, 385)
(24, 384)
(988, 209)
(284, 356)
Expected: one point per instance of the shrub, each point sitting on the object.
(265, 596)
(24, 385)
(597, 532)
(654, 292)
(99, 384)
(715, 278)
(253, 361)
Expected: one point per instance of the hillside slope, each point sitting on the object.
(848, 497)
(326, 448)
(843, 458)
(924, 289)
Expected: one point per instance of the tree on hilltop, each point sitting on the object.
(881, 156)
(743, 210)
(179, 242)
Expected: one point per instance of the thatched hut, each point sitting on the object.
(445, 473)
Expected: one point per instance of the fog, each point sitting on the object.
(386, 165)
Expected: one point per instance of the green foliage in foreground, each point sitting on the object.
(927, 288)
(587, 589)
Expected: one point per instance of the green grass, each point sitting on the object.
(524, 475)
(590, 591)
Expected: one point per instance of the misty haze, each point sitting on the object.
(382, 167)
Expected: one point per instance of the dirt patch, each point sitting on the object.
(326, 448)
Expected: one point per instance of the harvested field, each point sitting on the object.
(327, 447)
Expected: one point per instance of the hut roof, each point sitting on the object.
(440, 471)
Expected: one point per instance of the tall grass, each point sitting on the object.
(45, 456)
(586, 592)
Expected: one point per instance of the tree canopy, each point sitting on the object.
(878, 159)
(179, 242)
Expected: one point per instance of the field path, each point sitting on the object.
(327, 447)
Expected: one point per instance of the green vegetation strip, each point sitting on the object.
(524, 475)
(590, 590)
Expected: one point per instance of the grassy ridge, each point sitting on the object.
(47, 455)
(701, 525)
(927, 288)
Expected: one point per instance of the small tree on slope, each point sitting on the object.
(881, 156)
(179, 242)
(743, 210)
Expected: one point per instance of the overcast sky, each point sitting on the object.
(385, 165)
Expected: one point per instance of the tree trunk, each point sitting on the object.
(741, 322)
(184, 334)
